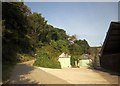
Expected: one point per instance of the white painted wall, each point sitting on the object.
(65, 62)
(84, 63)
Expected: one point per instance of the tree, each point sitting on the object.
(84, 45)
(72, 61)
(15, 29)
(26, 32)
(37, 28)
(62, 46)
(75, 50)
(72, 39)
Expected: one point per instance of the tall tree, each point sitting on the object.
(72, 39)
(37, 26)
(14, 29)
(84, 45)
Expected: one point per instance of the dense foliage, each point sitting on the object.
(14, 31)
(44, 60)
(25, 33)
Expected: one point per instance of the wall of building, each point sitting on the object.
(65, 62)
(84, 63)
(110, 52)
(111, 62)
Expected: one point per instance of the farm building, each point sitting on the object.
(85, 60)
(110, 52)
(64, 60)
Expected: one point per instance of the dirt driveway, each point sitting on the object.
(25, 73)
(82, 76)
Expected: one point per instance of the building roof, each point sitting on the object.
(85, 57)
(112, 41)
(99, 49)
(64, 55)
(110, 53)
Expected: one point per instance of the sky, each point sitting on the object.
(88, 20)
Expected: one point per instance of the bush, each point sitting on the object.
(24, 57)
(72, 61)
(44, 61)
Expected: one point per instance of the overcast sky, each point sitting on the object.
(88, 20)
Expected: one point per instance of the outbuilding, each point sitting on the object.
(64, 60)
(85, 60)
(110, 52)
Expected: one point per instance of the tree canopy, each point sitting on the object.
(25, 32)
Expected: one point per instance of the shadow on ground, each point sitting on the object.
(19, 75)
(111, 77)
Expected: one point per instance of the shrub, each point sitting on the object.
(24, 57)
(44, 60)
